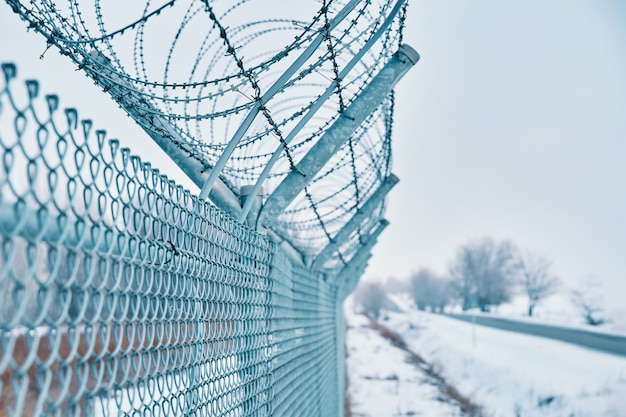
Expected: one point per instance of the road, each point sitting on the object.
(599, 341)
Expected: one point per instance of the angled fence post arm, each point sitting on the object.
(338, 134)
(358, 260)
(275, 88)
(355, 222)
(352, 279)
(319, 102)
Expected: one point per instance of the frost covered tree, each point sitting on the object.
(370, 297)
(589, 302)
(536, 278)
(483, 273)
(429, 291)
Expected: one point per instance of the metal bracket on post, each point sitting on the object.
(358, 260)
(338, 134)
(245, 193)
(353, 224)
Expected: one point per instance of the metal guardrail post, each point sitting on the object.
(338, 134)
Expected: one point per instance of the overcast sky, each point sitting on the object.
(512, 125)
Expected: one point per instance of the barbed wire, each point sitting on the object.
(122, 293)
(202, 65)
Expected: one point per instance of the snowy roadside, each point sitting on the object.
(384, 380)
(557, 310)
(517, 375)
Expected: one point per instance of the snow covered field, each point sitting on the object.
(557, 310)
(383, 383)
(508, 374)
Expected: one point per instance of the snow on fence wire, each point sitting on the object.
(121, 293)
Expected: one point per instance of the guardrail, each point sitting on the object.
(610, 343)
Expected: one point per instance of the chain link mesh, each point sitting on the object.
(202, 66)
(124, 294)
(121, 293)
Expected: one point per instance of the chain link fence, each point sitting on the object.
(124, 294)
(121, 293)
(238, 94)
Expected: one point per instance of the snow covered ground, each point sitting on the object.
(558, 309)
(508, 374)
(382, 382)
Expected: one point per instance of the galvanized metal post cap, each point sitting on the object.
(409, 52)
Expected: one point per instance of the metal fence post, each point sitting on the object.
(338, 134)
(355, 222)
(341, 357)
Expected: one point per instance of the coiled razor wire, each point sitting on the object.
(203, 65)
(123, 294)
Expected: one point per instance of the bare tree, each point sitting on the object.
(429, 290)
(395, 285)
(536, 278)
(589, 303)
(482, 273)
(590, 311)
(370, 297)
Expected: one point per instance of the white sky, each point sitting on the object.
(512, 125)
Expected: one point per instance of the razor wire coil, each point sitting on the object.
(121, 292)
(202, 65)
